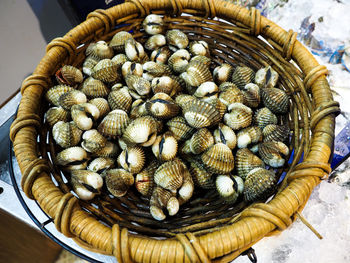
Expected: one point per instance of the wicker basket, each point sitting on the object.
(205, 230)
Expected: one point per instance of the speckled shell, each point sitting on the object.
(111, 150)
(271, 153)
(162, 106)
(86, 184)
(84, 114)
(249, 135)
(161, 55)
(273, 132)
(100, 50)
(66, 134)
(176, 39)
(232, 95)
(239, 116)
(170, 175)
(152, 69)
(165, 147)
(222, 73)
(259, 184)
(266, 77)
(155, 41)
(120, 99)
(114, 124)
(218, 159)
(153, 24)
(89, 63)
(56, 114)
(275, 99)
(93, 141)
(106, 71)
(196, 73)
(134, 50)
(69, 75)
(141, 86)
(132, 68)
(94, 88)
(199, 48)
(224, 134)
(200, 114)
(102, 105)
(264, 117)
(144, 181)
(142, 131)
(54, 93)
(251, 94)
(180, 128)
(132, 159)
(70, 98)
(242, 76)
(201, 177)
(201, 140)
(245, 161)
(179, 60)
(76, 155)
(118, 40)
(98, 165)
(166, 84)
(118, 181)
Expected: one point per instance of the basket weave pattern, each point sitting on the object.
(312, 117)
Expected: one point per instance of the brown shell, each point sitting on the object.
(266, 77)
(218, 159)
(118, 181)
(138, 84)
(66, 134)
(272, 153)
(114, 124)
(118, 40)
(199, 48)
(54, 93)
(106, 70)
(222, 73)
(249, 135)
(231, 95)
(86, 184)
(152, 70)
(273, 132)
(170, 175)
(275, 99)
(84, 115)
(119, 60)
(69, 75)
(89, 63)
(93, 141)
(94, 88)
(196, 73)
(251, 94)
(176, 38)
(180, 128)
(111, 150)
(184, 99)
(142, 131)
(100, 50)
(201, 140)
(72, 158)
(166, 84)
(56, 114)
(245, 161)
(102, 105)
(227, 85)
(120, 99)
(161, 55)
(144, 181)
(242, 75)
(259, 185)
(201, 177)
(162, 106)
(224, 134)
(99, 164)
(155, 41)
(264, 117)
(239, 116)
(134, 50)
(165, 147)
(132, 68)
(70, 98)
(132, 159)
(179, 60)
(153, 24)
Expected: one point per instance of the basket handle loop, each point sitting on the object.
(255, 21)
(26, 120)
(35, 79)
(65, 43)
(209, 7)
(143, 7)
(192, 247)
(120, 244)
(63, 214)
(288, 45)
(314, 75)
(105, 17)
(177, 6)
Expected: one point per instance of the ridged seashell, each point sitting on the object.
(100, 164)
(224, 134)
(170, 175)
(155, 41)
(196, 73)
(239, 116)
(232, 95)
(153, 24)
(201, 140)
(266, 77)
(102, 105)
(264, 117)
(201, 59)
(184, 99)
(105, 70)
(119, 60)
(70, 98)
(201, 177)
(166, 84)
(180, 128)
(110, 150)
(84, 115)
(245, 161)
(56, 114)
(94, 88)
(165, 147)
(118, 40)
(132, 159)
(275, 99)
(251, 94)
(227, 85)
(249, 135)
(161, 55)
(179, 60)
(54, 93)
(114, 124)
(219, 106)
(138, 109)
(152, 69)
(199, 48)
(118, 181)
(176, 39)
(100, 50)
(141, 86)
(86, 184)
(259, 184)
(222, 73)
(93, 141)
(162, 198)
(162, 106)
(242, 76)
(185, 149)
(69, 75)
(270, 153)
(142, 131)
(229, 188)
(73, 158)
(273, 132)
(132, 68)
(66, 134)
(144, 181)
(89, 63)
(186, 190)
(218, 159)
(207, 91)
(200, 114)
(120, 99)
(134, 50)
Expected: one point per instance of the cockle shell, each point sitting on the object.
(227, 85)
(199, 48)
(273, 132)
(118, 40)
(69, 75)
(144, 181)
(219, 106)
(161, 55)
(200, 114)
(245, 161)
(110, 150)
(114, 124)
(239, 116)
(105, 70)
(152, 69)
(94, 88)
(207, 91)
(206, 61)
(201, 140)
(201, 177)
(224, 134)
(100, 50)
(84, 114)
(249, 135)
(119, 60)
(266, 77)
(222, 73)
(153, 24)
(180, 128)
(162, 198)
(86, 184)
(271, 153)
(155, 41)
(275, 99)
(141, 131)
(162, 106)
(132, 68)
(118, 181)
(56, 114)
(93, 141)
(259, 184)
(134, 50)
(184, 99)
(66, 134)
(242, 75)
(179, 60)
(138, 109)
(120, 99)
(89, 63)
(264, 117)
(176, 39)
(251, 94)
(231, 95)
(70, 98)
(140, 86)
(170, 175)
(102, 105)
(186, 190)
(54, 93)
(165, 147)
(73, 158)
(218, 159)
(196, 73)
(170, 85)
(100, 164)
(132, 159)
(229, 187)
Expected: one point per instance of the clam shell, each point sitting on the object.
(98, 165)
(66, 134)
(200, 48)
(275, 99)
(110, 150)
(219, 106)
(242, 75)
(251, 94)
(102, 105)
(144, 181)
(56, 114)
(207, 91)
(176, 39)
(54, 93)
(93, 141)
(86, 184)
(114, 124)
(94, 88)
(132, 159)
(119, 60)
(218, 159)
(70, 98)
(100, 50)
(120, 99)
(106, 70)
(186, 190)
(266, 77)
(170, 175)
(89, 63)
(118, 181)
(232, 95)
(73, 158)
(180, 128)
(165, 147)
(201, 59)
(152, 69)
(196, 73)
(185, 149)
(84, 114)
(142, 131)
(118, 40)
(162, 198)
(249, 135)
(161, 55)
(226, 187)
(201, 140)
(224, 134)
(273, 132)
(259, 184)
(141, 86)
(240, 116)
(166, 84)
(245, 161)
(179, 60)
(162, 106)
(227, 85)
(184, 99)
(222, 73)
(271, 153)
(132, 68)
(69, 75)
(134, 50)
(200, 114)
(264, 117)
(155, 41)
(201, 177)
(138, 109)
(153, 24)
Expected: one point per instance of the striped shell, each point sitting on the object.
(118, 181)
(155, 41)
(273, 132)
(73, 158)
(84, 114)
(94, 88)
(275, 99)
(111, 150)
(199, 48)
(207, 91)
(179, 60)
(114, 124)
(222, 73)
(242, 76)
(266, 77)
(226, 85)
(93, 141)
(89, 63)
(152, 70)
(69, 75)
(259, 184)
(196, 73)
(231, 95)
(201, 177)
(224, 134)
(98, 165)
(166, 84)
(176, 39)
(141, 131)
(165, 147)
(120, 99)
(144, 181)
(139, 85)
(134, 50)
(132, 68)
(86, 184)
(180, 128)
(153, 24)
(56, 114)
(239, 116)
(54, 93)
(249, 135)
(102, 105)
(118, 40)
(162, 198)
(184, 99)
(66, 134)
(185, 192)
(272, 153)
(99, 50)
(229, 187)
(161, 55)
(70, 98)
(251, 95)
(264, 117)
(218, 159)
(106, 71)
(119, 60)
(245, 161)
(132, 159)
(170, 175)
(162, 106)
(201, 140)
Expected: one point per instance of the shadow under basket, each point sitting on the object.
(205, 229)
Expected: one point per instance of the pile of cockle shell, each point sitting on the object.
(156, 116)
